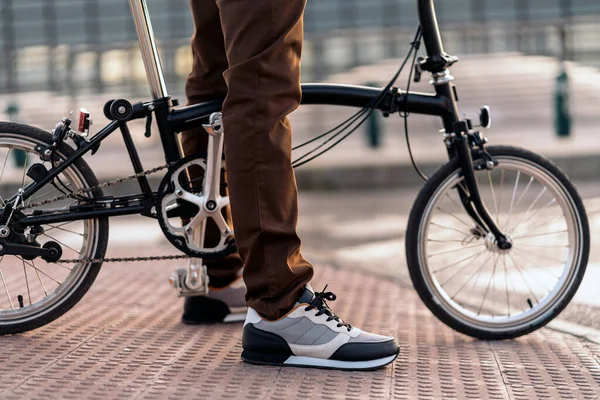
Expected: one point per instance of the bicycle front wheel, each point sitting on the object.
(465, 279)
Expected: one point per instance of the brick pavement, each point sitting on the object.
(125, 340)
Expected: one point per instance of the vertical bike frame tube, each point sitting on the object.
(435, 51)
(162, 103)
(430, 28)
(150, 56)
(135, 160)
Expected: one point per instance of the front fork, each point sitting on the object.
(472, 201)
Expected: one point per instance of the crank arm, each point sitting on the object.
(214, 161)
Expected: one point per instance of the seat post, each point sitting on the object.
(150, 56)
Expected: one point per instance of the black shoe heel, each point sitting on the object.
(254, 357)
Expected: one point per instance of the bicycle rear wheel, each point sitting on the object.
(465, 279)
(35, 292)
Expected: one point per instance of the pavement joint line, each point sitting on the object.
(577, 330)
(505, 384)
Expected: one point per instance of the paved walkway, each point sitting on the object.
(125, 340)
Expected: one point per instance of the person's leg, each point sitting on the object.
(263, 41)
(205, 83)
(226, 298)
(287, 323)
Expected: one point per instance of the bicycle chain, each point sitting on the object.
(73, 195)
(126, 259)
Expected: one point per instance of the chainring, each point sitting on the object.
(189, 205)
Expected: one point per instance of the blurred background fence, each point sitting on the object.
(90, 45)
(59, 55)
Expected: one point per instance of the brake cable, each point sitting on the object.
(346, 128)
(404, 114)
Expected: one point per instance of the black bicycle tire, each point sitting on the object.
(86, 280)
(412, 245)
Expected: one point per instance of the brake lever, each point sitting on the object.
(148, 132)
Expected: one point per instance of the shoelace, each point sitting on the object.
(320, 303)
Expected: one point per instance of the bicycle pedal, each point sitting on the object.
(178, 278)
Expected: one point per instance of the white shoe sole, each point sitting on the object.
(299, 361)
(311, 362)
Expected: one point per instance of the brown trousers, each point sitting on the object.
(248, 51)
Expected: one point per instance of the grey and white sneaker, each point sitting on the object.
(311, 335)
(227, 304)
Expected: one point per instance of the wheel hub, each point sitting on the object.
(491, 243)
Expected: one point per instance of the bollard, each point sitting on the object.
(19, 156)
(373, 127)
(562, 114)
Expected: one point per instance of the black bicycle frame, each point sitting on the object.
(171, 120)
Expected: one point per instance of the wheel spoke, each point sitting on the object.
(543, 255)
(459, 272)
(450, 228)
(523, 276)
(475, 274)
(41, 271)
(452, 215)
(493, 194)
(551, 202)
(453, 250)
(57, 226)
(488, 287)
(58, 241)
(462, 186)
(445, 241)
(26, 281)
(531, 180)
(506, 283)
(458, 262)
(512, 201)
(4, 168)
(556, 246)
(541, 234)
(64, 266)
(64, 230)
(459, 207)
(538, 281)
(544, 268)
(512, 282)
(6, 287)
(544, 223)
(24, 169)
(529, 209)
(37, 272)
(56, 189)
(500, 196)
